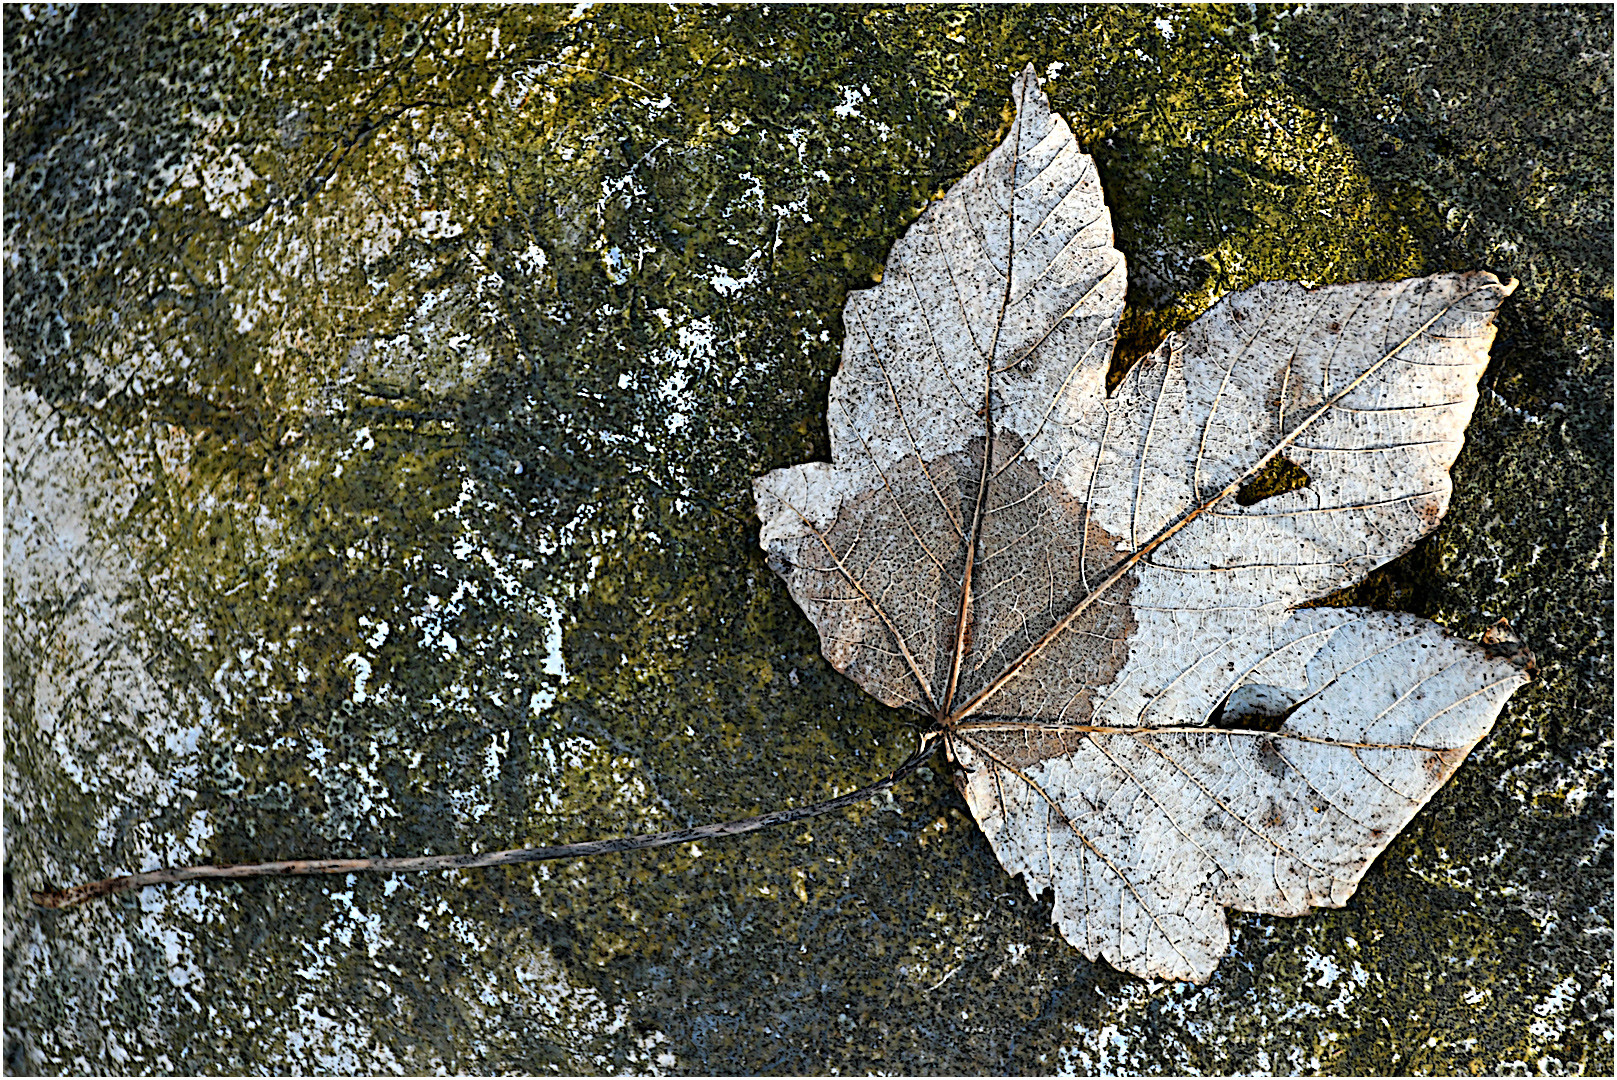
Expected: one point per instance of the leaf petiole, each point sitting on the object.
(78, 894)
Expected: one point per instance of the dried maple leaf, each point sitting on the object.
(1073, 585)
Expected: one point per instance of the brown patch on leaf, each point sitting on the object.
(1023, 748)
(1040, 556)
(882, 583)
(1430, 510)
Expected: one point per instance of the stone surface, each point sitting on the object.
(383, 394)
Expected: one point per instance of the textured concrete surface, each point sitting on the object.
(382, 395)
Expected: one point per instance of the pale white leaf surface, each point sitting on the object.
(1074, 588)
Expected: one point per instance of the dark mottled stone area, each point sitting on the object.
(383, 391)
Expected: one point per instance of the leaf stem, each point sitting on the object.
(78, 894)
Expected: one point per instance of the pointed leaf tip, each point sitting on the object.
(1028, 87)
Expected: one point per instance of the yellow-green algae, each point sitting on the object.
(477, 322)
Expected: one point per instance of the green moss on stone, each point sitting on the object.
(326, 312)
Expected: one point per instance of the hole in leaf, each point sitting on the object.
(1252, 722)
(1253, 710)
(1139, 332)
(1276, 478)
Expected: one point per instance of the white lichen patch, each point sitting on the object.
(433, 352)
(1554, 1011)
(224, 178)
(113, 722)
(533, 990)
(852, 96)
(555, 662)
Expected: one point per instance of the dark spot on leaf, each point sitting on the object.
(1276, 817)
(1269, 757)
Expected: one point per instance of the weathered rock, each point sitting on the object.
(382, 399)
